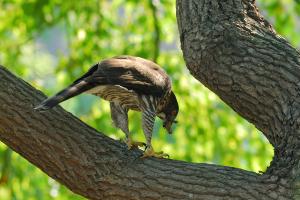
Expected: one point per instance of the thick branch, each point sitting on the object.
(98, 167)
(156, 30)
(231, 49)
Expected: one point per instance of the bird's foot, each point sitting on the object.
(133, 144)
(149, 152)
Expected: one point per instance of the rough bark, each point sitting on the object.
(231, 49)
(97, 167)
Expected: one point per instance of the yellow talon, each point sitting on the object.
(132, 144)
(151, 153)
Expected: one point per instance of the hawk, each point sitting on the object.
(128, 83)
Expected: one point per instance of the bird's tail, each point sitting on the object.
(74, 89)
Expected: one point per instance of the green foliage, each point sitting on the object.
(284, 16)
(50, 43)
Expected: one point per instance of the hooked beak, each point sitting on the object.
(168, 127)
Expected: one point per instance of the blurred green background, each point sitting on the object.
(49, 43)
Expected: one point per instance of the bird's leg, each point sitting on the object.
(119, 116)
(148, 118)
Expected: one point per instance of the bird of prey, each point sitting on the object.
(127, 82)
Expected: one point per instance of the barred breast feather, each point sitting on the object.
(118, 94)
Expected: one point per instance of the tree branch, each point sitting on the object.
(97, 167)
(156, 38)
(232, 50)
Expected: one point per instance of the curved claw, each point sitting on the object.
(151, 153)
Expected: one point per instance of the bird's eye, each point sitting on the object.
(175, 121)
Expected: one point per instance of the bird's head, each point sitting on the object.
(169, 113)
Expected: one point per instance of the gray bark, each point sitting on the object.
(97, 167)
(232, 50)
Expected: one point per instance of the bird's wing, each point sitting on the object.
(133, 73)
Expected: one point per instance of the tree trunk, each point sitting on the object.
(228, 47)
(231, 49)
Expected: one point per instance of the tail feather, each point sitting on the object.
(67, 93)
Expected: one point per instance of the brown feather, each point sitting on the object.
(133, 73)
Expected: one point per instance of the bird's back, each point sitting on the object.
(121, 78)
(126, 78)
(133, 73)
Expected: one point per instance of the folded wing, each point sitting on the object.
(134, 73)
